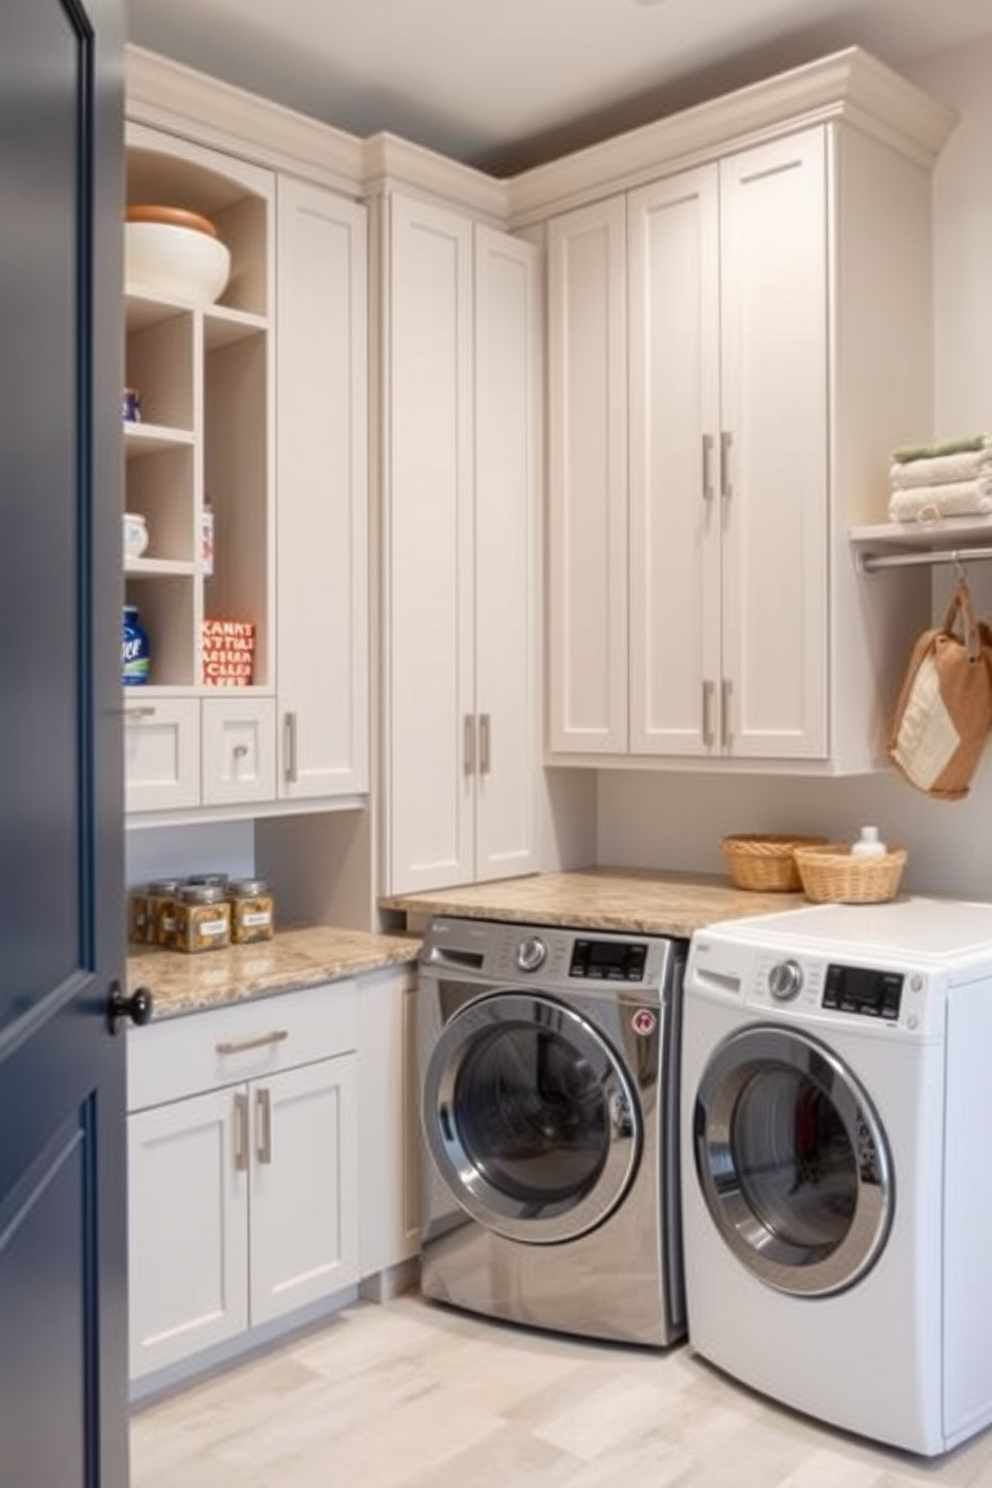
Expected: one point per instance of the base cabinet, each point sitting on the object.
(389, 1106)
(242, 1170)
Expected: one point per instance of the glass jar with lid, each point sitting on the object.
(202, 918)
(252, 910)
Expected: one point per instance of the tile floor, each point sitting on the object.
(412, 1395)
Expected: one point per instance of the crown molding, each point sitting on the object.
(850, 84)
(182, 102)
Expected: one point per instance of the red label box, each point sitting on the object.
(228, 650)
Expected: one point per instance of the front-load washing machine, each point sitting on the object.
(548, 1065)
(836, 1194)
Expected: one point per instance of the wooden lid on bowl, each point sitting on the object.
(173, 216)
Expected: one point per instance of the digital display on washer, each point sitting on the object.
(608, 960)
(856, 989)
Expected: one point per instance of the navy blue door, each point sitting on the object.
(63, 1418)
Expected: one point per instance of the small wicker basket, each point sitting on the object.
(832, 874)
(765, 860)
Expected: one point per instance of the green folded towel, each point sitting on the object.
(932, 451)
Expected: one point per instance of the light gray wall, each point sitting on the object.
(676, 821)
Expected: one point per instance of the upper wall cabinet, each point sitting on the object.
(322, 644)
(248, 464)
(460, 461)
(734, 348)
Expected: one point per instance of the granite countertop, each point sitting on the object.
(305, 957)
(647, 902)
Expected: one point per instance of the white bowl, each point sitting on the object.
(162, 258)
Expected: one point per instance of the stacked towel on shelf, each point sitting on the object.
(952, 479)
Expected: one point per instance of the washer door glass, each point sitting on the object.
(530, 1118)
(792, 1161)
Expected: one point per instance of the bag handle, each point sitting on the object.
(961, 605)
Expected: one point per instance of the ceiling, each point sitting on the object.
(504, 84)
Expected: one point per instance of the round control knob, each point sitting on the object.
(531, 953)
(785, 980)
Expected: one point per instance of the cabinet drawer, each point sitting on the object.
(161, 753)
(239, 749)
(225, 1046)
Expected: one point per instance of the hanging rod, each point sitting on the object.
(872, 562)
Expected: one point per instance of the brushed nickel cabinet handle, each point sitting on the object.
(485, 743)
(289, 747)
(143, 710)
(707, 467)
(726, 695)
(263, 1126)
(469, 743)
(260, 1041)
(240, 1133)
(726, 485)
(708, 691)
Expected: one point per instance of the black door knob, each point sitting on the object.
(137, 1007)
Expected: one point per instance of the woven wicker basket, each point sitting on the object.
(832, 874)
(764, 860)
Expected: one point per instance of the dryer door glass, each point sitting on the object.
(792, 1161)
(530, 1118)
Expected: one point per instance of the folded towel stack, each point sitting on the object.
(930, 481)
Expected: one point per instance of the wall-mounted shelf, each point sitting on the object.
(913, 544)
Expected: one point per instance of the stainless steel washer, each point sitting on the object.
(548, 1062)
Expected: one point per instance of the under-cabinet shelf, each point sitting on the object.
(152, 439)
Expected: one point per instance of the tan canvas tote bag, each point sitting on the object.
(944, 710)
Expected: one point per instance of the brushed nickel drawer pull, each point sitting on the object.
(708, 691)
(144, 710)
(726, 485)
(263, 1126)
(726, 694)
(240, 1133)
(485, 743)
(260, 1041)
(707, 467)
(289, 747)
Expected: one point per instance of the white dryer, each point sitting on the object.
(836, 1137)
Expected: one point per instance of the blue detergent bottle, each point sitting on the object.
(135, 649)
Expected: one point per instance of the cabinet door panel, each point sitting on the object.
(188, 1230)
(239, 759)
(774, 252)
(429, 544)
(322, 486)
(675, 502)
(507, 394)
(587, 434)
(389, 1132)
(304, 1212)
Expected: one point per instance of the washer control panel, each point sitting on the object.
(608, 960)
(859, 989)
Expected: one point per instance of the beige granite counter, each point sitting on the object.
(652, 903)
(181, 983)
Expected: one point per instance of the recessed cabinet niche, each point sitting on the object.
(249, 466)
(198, 469)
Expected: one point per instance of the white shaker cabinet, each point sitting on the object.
(721, 396)
(389, 1108)
(242, 1170)
(689, 439)
(459, 542)
(322, 619)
